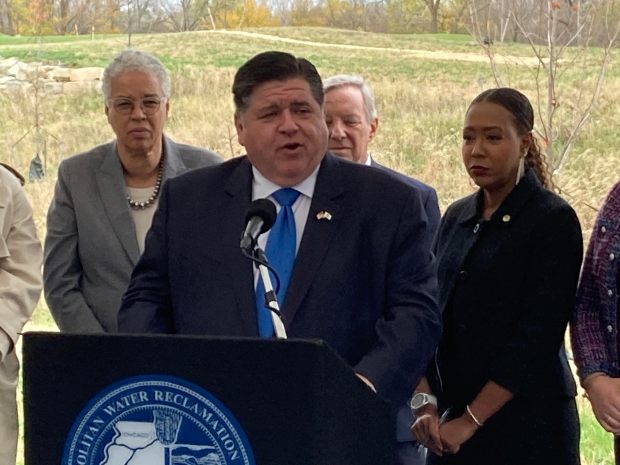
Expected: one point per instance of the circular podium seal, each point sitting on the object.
(156, 420)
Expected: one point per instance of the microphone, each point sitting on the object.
(259, 219)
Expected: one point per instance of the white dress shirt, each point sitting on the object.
(262, 188)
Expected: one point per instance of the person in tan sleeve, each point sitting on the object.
(20, 288)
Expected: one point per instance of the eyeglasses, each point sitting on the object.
(125, 106)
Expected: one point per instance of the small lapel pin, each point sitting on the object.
(324, 215)
(506, 218)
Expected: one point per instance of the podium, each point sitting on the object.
(291, 402)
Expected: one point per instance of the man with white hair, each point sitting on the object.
(351, 117)
(352, 120)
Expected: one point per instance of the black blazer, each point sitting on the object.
(509, 284)
(431, 207)
(363, 281)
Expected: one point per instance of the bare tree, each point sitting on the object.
(138, 11)
(458, 9)
(525, 12)
(185, 15)
(281, 9)
(493, 18)
(6, 22)
(503, 9)
(67, 16)
(433, 8)
(560, 36)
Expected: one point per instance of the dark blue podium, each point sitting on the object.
(293, 402)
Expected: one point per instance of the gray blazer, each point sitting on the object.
(91, 246)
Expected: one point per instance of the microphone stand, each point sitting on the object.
(271, 301)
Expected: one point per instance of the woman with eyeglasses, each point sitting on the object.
(508, 261)
(105, 198)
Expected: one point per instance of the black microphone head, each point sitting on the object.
(265, 210)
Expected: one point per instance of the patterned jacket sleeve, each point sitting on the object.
(594, 327)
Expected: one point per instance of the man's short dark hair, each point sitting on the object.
(273, 66)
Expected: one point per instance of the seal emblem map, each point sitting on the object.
(156, 420)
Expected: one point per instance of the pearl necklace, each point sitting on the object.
(141, 205)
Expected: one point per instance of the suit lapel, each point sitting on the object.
(317, 234)
(112, 193)
(173, 164)
(236, 200)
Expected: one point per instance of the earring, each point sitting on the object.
(521, 169)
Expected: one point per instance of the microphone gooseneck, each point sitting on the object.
(259, 218)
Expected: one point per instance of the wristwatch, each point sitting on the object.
(420, 399)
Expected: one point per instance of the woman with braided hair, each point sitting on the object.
(500, 390)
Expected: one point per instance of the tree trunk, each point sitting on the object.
(434, 21)
(6, 24)
(433, 7)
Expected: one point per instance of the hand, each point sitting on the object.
(604, 394)
(456, 432)
(425, 430)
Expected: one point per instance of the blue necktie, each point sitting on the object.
(280, 252)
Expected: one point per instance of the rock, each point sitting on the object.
(16, 86)
(34, 72)
(86, 74)
(15, 75)
(5, 65)
(75, 87)
(19, 71)
(61, 74)
(52, 87)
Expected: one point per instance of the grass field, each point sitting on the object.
(423, 84)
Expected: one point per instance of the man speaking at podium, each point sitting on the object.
(361, 274)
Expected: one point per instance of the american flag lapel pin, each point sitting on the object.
(324, 215)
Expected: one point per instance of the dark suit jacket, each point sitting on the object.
(91, 245)
(507, 290)
(429, 199)
(429, 196)
(364, 282)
